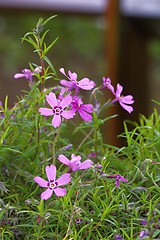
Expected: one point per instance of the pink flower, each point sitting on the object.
(143, 233)
(85, 83)
(75, 162)
(124, 101)
(83, 109)
(57, 110)
(118, 237)
(26, 73)
(118, 179)
(52, 184)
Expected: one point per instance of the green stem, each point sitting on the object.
(86, 137)
(54, 145)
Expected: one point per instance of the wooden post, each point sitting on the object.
(112, 58)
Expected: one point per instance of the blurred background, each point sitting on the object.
(119, 39)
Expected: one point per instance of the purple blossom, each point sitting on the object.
(118, 237)
(83, 109)
(143, 233)
(124, 101)
(52, 184)
(92, 155)
(26, 73)
(78, 221)
(57, 110)
(75, 162)
(72, 83)
(143, 222)
(118, 179)
(98, 166)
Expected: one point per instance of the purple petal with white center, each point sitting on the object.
(126, 107)
(85, 116)
(63, 159)
(60, 192)
(86, 164)
(51, 99)
(45, 111)
(64, 179)
(46, 194)
(51, 172)
(56, 121)
(66, 101)
(68, 114)
(86, 84)
(41, 182)
(119, 90)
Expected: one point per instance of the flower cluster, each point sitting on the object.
(64, 107)
(67, 106)
(52, 184)
(124, 101)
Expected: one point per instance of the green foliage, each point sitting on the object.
(93, 208)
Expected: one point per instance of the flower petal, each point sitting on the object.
(41, 182)
(66, 101)
(119, 90)
(117, 183)
(74, 166)
(51, 99)
(127, 99)
(66, 83)
(63, 159)
(122, 179)
(85, 116)
(60, 192)
(86, 84)
(107, 83)
(51, 172)
(46, 194)
(64, 179)
(63, 72)
(86, 164)
(126, 107)
(56, 121)
(19, 75)
(68, 114)
(72, 76)
(87, 107)
(45, 111)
